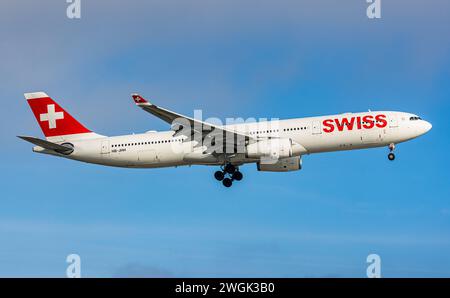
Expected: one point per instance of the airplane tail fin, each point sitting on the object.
(56, 123)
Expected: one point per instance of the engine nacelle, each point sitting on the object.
(282, 165)
(270, 148)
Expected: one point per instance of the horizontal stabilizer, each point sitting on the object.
(48, 145)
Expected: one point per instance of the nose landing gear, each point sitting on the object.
(228, 174)
(391, 155)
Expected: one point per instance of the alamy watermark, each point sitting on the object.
(374, 268)
(74, 268)
(73, 10)
(374, 9)
(262, 138)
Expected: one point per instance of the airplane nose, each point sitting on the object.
(427, 126)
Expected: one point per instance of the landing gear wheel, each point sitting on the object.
(219, 175)
(227, 182)
(229, 168)
(391, 156)
(237, 176)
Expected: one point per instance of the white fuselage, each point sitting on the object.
(314, 134)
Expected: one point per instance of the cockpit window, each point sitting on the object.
(415, 118)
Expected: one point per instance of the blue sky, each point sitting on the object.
(245, 59)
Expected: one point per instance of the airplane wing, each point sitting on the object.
(47, 145)
(184, 125)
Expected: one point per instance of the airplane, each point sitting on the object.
(274, 146)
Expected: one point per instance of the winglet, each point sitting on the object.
(139, 100)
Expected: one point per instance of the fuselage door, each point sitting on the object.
(105, 147)
(316, 127)
(371, 136)
(147, 156)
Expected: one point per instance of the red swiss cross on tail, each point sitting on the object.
(139, 100)
(52, 118)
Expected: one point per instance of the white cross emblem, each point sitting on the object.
(51, 116)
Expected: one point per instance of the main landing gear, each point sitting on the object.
(228, 174)
(391, 155)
